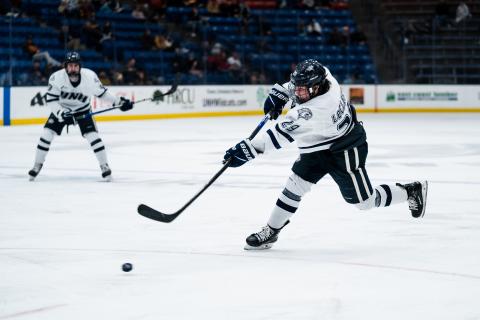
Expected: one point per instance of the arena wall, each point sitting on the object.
(26, 105)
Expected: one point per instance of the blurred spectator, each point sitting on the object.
(117, 77)
(358, 37)
(234, 62)
(194, 66)
(142, 78)
(163, 43)
(92, 34)
(69, 8)
(34, 52)
(443, 15)
(307, 4)
(218, 62)
(314, 28)
(462, 12)
(106, 32)
(339, 4)
(229, 8)
(147, 40)
(86, 9)
(213, 7)
(193, 22)
(36, 76)
(104, 79)
(336, 38)
(138, 12)
(130, 76)
(70, 38)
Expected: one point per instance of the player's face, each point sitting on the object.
(73, 71)
(73, 68)
(302, 94)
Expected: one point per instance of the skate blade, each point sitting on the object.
(262, 247)
(30, 178)
(424, 194)
(107, 179)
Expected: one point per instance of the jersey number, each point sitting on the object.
(344, 123)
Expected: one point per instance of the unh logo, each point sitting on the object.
(305, 113)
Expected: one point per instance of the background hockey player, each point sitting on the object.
(330, 141)
(68, 96)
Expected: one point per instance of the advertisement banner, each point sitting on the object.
(28, 105)
(428, 97)
(29, 102)
(361, 96)
(1, 106)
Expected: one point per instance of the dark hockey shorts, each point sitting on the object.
(347, 168)
(86, 124)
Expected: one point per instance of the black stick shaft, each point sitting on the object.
(151, 213)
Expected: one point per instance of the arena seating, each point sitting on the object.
(435, 51)
(278, 29)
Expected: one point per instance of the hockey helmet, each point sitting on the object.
(309, 75)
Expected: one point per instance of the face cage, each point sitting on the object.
(295, 98)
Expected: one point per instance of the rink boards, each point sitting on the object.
(26, 105)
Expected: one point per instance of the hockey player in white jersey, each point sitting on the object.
(68, 96)
(330, 140)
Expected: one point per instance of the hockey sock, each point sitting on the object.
(288, 201)
(284, 209)
(389, 194)
(97, 146)
(44, 145)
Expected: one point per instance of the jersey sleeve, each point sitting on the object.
(100, 91)
(53, 95)
(295, 123)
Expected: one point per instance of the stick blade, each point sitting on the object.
(153, 214)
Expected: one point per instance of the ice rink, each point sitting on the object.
(64, 237)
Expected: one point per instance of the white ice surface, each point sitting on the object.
(64, 237)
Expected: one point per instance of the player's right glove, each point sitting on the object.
(276, 100)
(125, 104)
(65, 115)
(240, 153)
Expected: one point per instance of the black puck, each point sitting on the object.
(127, 267)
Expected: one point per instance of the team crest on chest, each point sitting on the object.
(305, 113)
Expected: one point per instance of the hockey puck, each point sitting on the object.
(127, 267)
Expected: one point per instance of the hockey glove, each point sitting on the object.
(276, 100)
(125, 104)
(240, 153)
(65, 115)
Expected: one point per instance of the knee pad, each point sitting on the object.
(48, 134)
(367, 204)
(297, 185)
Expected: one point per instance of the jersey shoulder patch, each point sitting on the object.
(305, 113)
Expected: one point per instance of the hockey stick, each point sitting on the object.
(157, 96)
(153, 214)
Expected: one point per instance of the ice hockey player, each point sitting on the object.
(68, 96)
(331, 141)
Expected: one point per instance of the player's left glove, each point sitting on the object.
(276, 100)
(125, 104)
(240, 153)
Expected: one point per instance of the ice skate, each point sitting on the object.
(35, 171)
(417, 197)
(264, 239)
(106, 172)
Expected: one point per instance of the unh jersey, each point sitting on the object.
(62, 94)
(315, 125)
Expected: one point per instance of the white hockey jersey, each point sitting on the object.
(61, 94)
(315, 125)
